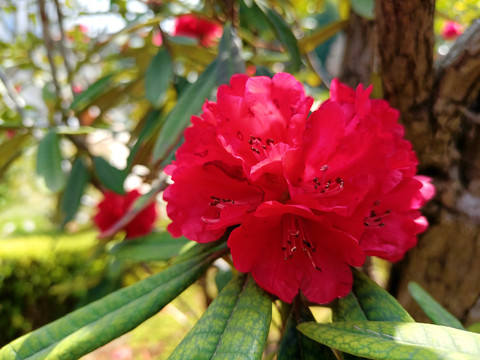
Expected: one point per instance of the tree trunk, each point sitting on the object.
(439, 100)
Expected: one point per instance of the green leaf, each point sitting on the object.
(365, 8)
(347, 309)
(49, 162)
(111, 177)
(152, 122)
(98, 323)
(432, 308)
(475, 327)
(396, 340)
(158, 77)
(154, 246)
(311, 41)
(370, 295)
(235, 325)
(229, 55)
(11, 149)
(84, 99)
(223, 277)
(76, 184)
(190, 102)
(295, 345)
(283, 32)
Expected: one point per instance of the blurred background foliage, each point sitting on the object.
(87, 90)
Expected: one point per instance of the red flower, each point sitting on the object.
(312, 195)
(205, 31)
(114, 206)
(451, 30)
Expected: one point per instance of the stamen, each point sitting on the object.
(327, 187)
(295, 236)
(259, 148)
(375, 220)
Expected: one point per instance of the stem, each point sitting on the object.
(62, 39)
(50, 48)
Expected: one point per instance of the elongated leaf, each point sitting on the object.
(150, 126)
(283, 32)
(229, 55)
(49, 162)
(96, 324)
(432, 308)
(155, 246)
(188, 104)
(12, 148)
(158, 77)
(396, 340)
(83, 99)
(295, 345)
(235, 325)
(111, 177)
(347, 309)
(376, 302)
(311, 41)
(76, 184)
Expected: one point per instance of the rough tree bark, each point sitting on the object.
(439, 101)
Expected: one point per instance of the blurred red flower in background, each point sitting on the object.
(312, 194)
(114, 206)
(205, 31)
(157, 38)
(451, 30)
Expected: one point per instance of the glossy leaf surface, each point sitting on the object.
(396, 340)
(235, 325)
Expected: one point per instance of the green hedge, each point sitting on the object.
(43, 278)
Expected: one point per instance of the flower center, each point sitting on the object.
(219, 204)
(259, 148)
(326, 187)
(295, 237)
(375, 220)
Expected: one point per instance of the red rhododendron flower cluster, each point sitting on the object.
(204, 30)
(114, 206)
(311, 195)
(451, 30)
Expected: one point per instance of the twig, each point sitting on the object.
(12, 93)
(62, 39)
(50, 48)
